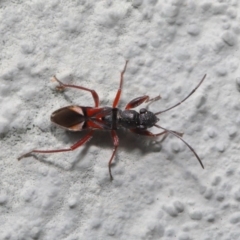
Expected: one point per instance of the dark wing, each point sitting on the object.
(71, 118)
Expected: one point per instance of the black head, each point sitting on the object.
(147, 119)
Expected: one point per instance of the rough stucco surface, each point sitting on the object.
(159, 189)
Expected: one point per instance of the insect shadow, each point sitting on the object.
(102, 140)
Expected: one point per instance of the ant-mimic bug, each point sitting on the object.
(78, 118)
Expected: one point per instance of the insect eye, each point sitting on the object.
(143, 110)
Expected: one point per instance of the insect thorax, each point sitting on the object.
(131, 119)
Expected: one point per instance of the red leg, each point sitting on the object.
(73, 147)
(139, 100)
(117, 97)
(115, 143)
(94, 94)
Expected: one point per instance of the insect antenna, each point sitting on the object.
(184, 98)
(173, 133)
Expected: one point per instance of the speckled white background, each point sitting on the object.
(159, 190)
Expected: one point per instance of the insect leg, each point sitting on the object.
(117, 97)
(86, 138)
(115, 143)
(94, 94)
(139, 100)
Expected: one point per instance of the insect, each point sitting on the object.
(78, 118)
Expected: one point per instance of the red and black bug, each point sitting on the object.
(78, 118)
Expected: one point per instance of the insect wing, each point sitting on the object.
(71, 118)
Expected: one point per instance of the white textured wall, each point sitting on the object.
(159, 190)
